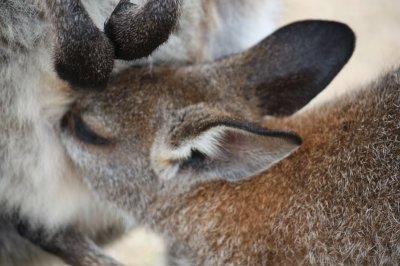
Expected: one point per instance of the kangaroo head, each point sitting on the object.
(162, 129)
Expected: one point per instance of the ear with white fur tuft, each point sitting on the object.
(225, 149)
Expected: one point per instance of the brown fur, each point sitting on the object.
(335, 201)
(154, 133)
(147, 115)
(43, 198)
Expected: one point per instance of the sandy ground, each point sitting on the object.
(377, 25)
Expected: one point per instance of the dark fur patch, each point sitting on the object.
(137, 32)
(84, 56)
(290, 67)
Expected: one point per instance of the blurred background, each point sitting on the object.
(377, 26)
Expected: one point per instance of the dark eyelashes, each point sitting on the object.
(82, 131)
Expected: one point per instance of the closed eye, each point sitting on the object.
(82, 131)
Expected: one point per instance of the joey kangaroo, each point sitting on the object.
(335, 200)
(42, 45)
(154, 133)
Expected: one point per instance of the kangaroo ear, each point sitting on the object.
(225, 149)
(290, 67)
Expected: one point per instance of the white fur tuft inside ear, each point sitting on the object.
(227, 152)
(165, 158)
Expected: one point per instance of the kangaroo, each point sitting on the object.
(47, 48)
(40, 193)
(155, 133)
(334, 201)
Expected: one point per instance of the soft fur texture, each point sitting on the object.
(335, 201)
(155, 132)
(38, 184)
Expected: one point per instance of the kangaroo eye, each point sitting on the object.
(82, 131)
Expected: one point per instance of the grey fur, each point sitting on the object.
(38, 186)
(154, 133)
